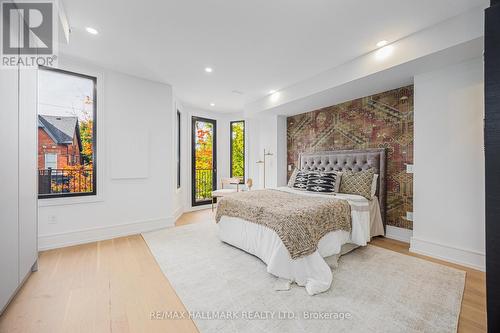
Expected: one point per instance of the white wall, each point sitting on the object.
(178, 201)
(449, 164)
(269, 133)
(136, 201)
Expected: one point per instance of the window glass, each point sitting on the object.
(66, 133)
(238, 150)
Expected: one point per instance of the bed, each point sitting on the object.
(311, 269)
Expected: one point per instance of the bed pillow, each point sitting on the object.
(293, 176)
(301, 180)
(359, 183)
(322, 182)
(338, 181)
(374, 185)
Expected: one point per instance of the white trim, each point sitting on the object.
(63, 19)
(45, 160)
(465, 257)
(178, 213)
(63, 201)
(400, 234)
(201, 207)
(53, 241)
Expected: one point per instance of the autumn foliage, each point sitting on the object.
(204, 145)
(204, 159)
(86, 128)
(78, 178)
(72, 179)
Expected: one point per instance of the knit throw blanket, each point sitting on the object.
(299, 221)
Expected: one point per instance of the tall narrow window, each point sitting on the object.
(66, 134)
(178, 154)
(238, 150)
(203, 160)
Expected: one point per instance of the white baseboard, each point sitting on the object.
(464, 257)
(178, 213)
(400, 234)
(53, 241)
(197, 208)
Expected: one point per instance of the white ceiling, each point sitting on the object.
(253, 46)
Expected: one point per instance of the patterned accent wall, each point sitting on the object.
(380, 121)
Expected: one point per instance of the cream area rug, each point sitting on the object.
(226, 289)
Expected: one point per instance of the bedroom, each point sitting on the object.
(163, 175)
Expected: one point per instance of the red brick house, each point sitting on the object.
(59, 143)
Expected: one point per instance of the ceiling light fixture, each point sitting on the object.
(275, 96)
(92, 31)
(212, 104)
(382, 43)
(384, 52)
(272, 92)
(209, 69)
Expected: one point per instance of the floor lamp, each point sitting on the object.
(263, 161)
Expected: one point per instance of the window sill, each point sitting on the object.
(69, 200)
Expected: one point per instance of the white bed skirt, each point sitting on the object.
(310, 271)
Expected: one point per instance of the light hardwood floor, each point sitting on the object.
(114, 285)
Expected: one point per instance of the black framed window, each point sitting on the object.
(67, 134)
(203, 160)
(178, 153)
(237, 153)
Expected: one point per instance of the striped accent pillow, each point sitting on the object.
(322, 182)
(301, 180)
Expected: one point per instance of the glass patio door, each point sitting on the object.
(204, 160)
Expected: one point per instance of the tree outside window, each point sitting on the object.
(238, 150)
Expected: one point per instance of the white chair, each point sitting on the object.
(224, 191)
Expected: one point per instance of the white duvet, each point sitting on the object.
(310, 271)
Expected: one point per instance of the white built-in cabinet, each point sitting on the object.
(18, 179)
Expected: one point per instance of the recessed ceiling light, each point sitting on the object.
(212, 104)
(384, 52)
(272, 92)
(209, 69)
(275, 96)
(92, 31)
(382, 43)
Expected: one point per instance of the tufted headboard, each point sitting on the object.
(354, 160)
